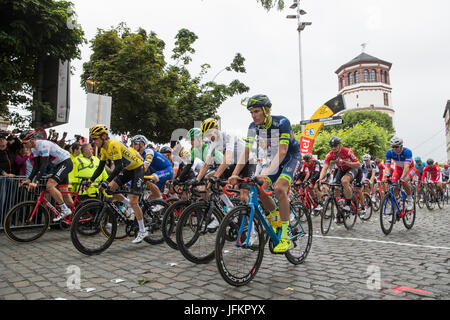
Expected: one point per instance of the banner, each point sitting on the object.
(311, 130)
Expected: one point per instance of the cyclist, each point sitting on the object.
(445, 173)
(156, 165)
(404, 167)
(312, 169)
(46, 152)
(128, 165)
(369, 170)
(348, 169)
(380, 173)
(275, 135)
(432, 173)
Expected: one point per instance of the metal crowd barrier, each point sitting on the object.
(11, 194)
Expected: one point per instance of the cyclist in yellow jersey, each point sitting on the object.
(128, 165)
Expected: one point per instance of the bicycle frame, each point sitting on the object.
(47, 203)
(400, 212)
(256, 207)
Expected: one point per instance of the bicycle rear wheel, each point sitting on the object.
(87, 225)
(195, 241)
(301, 233)
(439, 198)
(21, 226)
(368, 206)
(153, 212)
(388, 213)
(376, 204)
(238, 252)
(170, 220)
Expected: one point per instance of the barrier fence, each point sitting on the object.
(11, 194)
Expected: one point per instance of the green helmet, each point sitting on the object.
(194, 132)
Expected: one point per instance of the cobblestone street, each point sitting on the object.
(342, 265)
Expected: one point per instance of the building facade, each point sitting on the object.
(365, 84)
(446, 123)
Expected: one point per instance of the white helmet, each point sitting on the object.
(140, 138)
(366, 157)
(395, 141)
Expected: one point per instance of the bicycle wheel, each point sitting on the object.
(238, 252)
(21, 225)
(429, 200)
(350, 216)
(170, 220)
(387, 214)
(421, 199)
(368, 206)
(87, 224)
(153, 212)
(301, 233)
(195, 241)
(376, 204)
(439, 199)
(409, 218)
(328, 213)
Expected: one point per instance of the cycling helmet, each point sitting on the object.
(140, 138)
(377, 160)
(396, 141)
(27, 135)
(209, 124)
(335, 141)
(445, 165)
(307, 157)
(366, 157)
(185, 153)
(165, 150)
(98, 130)
(417, 159)
(194, 132)
(430, 162)
(259, 100)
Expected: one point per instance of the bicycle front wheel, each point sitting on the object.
(195, 236)
(328, 213)
(170, 220)
(301, 233)
(388, 213)
(239, 251)
(93, 228)
(369, 207)
(26, 222)
(153, 212)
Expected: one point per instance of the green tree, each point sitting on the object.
(269, 4)
(150, 96)
(30, 30)
(362, 138)
(353, 117)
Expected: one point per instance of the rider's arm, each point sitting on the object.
(228, 158)
(324, 170)
(405, 170)
(242, 161)
(40, 164)
(204, 168)
(279, 157)
(99, 170)
(118, 167)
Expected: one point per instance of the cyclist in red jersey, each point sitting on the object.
(432, 172)
(348, 169)
(381, 169)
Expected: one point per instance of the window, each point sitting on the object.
(373, 75)
(342, 82)
(386, 77)
(382, 76)
(350, 78)
(366, 75)
(356, 76)
(386, 99)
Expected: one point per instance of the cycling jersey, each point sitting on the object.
(367, 169)
(445, 174)
(345, 154)
(226, 142)
(381, 169)
(203, 153)
(277, 132)
(400, 159)
(46, 148)
(313, 168)
(116, 150)
(420, 167)
(159, 165)
(434, 171)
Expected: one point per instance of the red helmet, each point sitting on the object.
(445, 165)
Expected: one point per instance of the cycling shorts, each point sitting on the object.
(355, 173)
(62, 170)
(288, 168)
(399, 171)
(163, 176)
(136, 176)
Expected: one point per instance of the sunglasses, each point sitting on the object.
(136, 142)
(396, 147)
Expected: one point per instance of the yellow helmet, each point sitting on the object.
(98, 130)
(208, 124)
(184, 153)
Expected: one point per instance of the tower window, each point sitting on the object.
(373, 75)
(366, 75)
(382, 76)
(350, 78)
(356, 77)
(386, 99)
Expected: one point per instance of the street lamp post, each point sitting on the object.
(300, 27)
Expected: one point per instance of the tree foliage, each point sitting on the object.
(149, 95)
(362, 138)
(30, 29)
(270, 4)
(353, 117)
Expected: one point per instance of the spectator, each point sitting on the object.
(75, 151)
(7, 168)
(24, 161)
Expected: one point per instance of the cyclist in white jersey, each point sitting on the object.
(45, 151)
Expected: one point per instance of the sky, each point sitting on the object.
(413, 35)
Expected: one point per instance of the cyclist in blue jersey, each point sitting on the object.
(155, 164)
(404, 167)
(274, 135)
